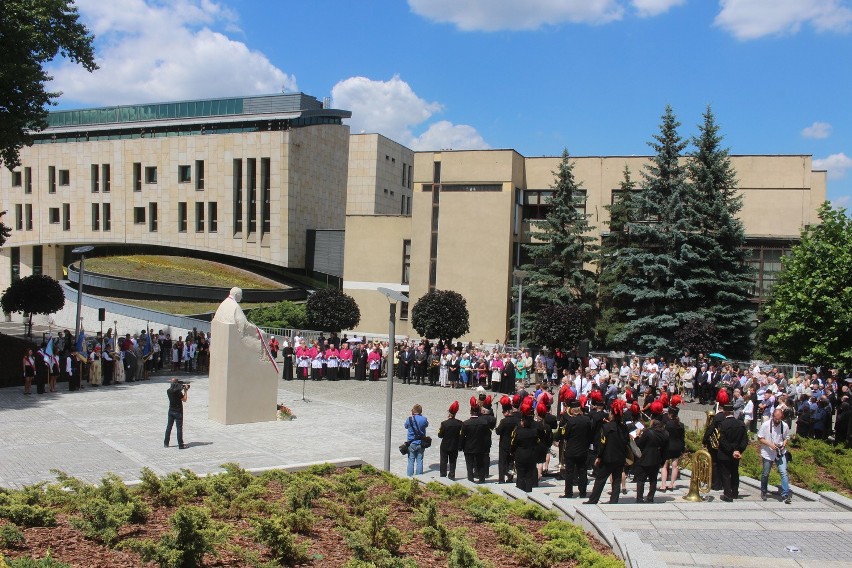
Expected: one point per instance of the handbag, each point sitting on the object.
(426, 441)
(403, 448)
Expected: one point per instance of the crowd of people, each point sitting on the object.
(618, 418)
(111, 359)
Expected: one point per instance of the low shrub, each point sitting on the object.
(463, 555)
(29, 562)
(101, 519)
(11, 536)
(176, 488)
(276, 535)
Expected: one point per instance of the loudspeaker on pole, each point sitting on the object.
(101, 314)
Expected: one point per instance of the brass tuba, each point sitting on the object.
(702, 475)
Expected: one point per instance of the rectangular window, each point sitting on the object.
(471, 187)
(96, 217)
(107, 209)
(213, 215)
(138, 215)
(137, 176)
(536, 204)
(15, 255)
(28, 180)
(96, 178)
(53, 215)
(16, 179)
(64, 177)
(199, 217)
(403, 310)
(66, 216)
(182, 216)
(51, 179)
(38, 260)
(251, 183)
(19, 217)
(410, 171)
(184, 174)
(199, 174)
(406, 261)
(151, 174)
(238, 196)
(152, 217)
(266, 195)
(28, 213)
(404, 174)
(105, 175)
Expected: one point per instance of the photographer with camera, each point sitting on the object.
(178, 393)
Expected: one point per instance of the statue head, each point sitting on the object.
(236, 294)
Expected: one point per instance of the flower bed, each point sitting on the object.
(323, 516)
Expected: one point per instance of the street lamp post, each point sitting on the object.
(393, 297)
(82, 252)
(520, 275)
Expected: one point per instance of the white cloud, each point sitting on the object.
(492, 15)
(817, 130)
(751, 19)
(393, 109)
(650, 8)
(149, 51)
(836, 164)
(444, 135)
(842, 201)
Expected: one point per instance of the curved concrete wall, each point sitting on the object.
(164, 289)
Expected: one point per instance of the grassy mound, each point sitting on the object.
(179, 270)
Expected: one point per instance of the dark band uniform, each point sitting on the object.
(611, 448)
(733, 436)
(525, 443)
(575, 433)
(504, 458)
(450, 434)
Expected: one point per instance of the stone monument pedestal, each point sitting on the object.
(243, 382)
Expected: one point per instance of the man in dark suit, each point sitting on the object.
(575, 435)
(733, 441)
(420, 357)
(450, 434)
(475, 441)
(510, 421)
(653, 442)
(405, 361)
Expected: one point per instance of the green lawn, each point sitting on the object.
(181, 307)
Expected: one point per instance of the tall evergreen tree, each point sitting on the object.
(562, 249)
(653, 284)
(611, 311)
(720, 278)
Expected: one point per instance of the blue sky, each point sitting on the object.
(592, 76)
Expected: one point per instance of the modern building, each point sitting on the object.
(248, 179)
(472, 212)
(278, 183)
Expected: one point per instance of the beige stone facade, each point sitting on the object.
(380, 176)
(467, 235)
(249, 189)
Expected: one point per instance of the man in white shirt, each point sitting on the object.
(773, 436)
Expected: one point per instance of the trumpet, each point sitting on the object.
(702, 475)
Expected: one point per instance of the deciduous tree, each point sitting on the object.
(811, 303)
(32, 33)
(36, 294)
(330, 309)
(442, 314)
(560, 326)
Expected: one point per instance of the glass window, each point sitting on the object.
(16, 179)
(96, 217)
(152, 217)
(182, 216)
(51, 179)
(96, 178)
(266, 195)
(137, 176)
(406, 261)
(199, 174)
(238, 196)
(139, 215)
(66, 216)
(53, 215)
(19, 217)
(107, 209)
(213, 214)
(251, 187)
(184, 174)
(105, 175)
(199, 217)
(151, 174)
(28, 180)
(64, 177)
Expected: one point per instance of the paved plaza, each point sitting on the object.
(119, 428)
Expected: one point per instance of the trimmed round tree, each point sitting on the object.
(697, 335)
(560, 326)
(442, 314)
(332, 310)
(36, 294)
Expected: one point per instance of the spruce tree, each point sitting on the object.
(562, 249)
(719, 278)
(611, 311)
(653, 284)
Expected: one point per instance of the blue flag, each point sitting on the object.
(81, 342)
(146, 349)
(49, 349)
